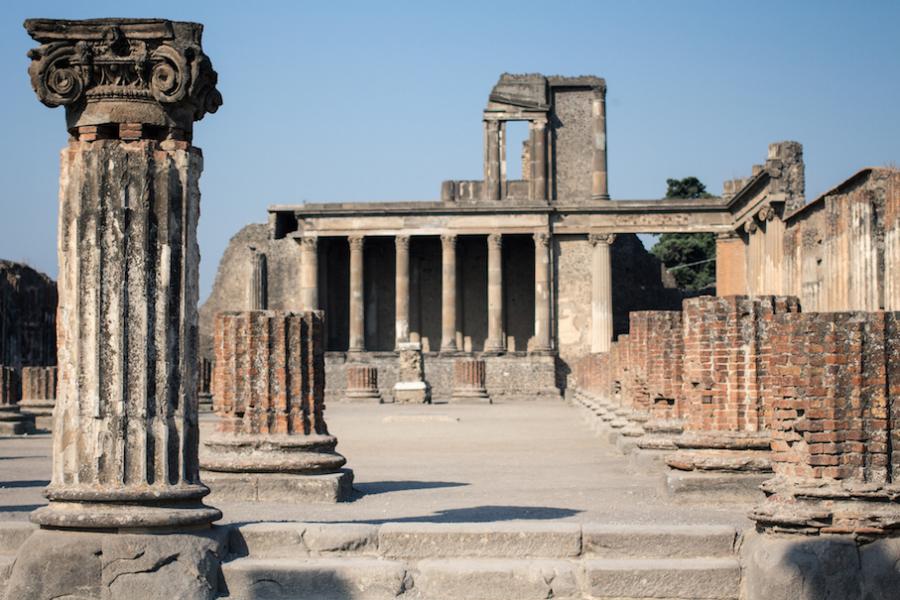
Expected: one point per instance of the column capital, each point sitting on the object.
(356, 241)
(309, 242)
(601, 238)
(766, 213)
(541, 239)
(495, 239)
(448, 240)
(401, 242)
(124, 72)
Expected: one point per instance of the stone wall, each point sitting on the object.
(27, 316)
(570, 141)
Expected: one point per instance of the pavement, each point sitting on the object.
(529, 461)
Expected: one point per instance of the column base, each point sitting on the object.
(140, 515)
(471, 396)
(271, 453)
(54, 563)
(287, 488)
(412, 392)
(373, 396)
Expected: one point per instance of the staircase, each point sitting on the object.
(489, 561)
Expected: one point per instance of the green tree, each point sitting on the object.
(690, 257)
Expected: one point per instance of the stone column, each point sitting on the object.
(495, 342)
(125, 434)
(469, 381)
(362, 383)
(599, 178)
(357, 312)
(492, 179)
(309, 272)
(204, 385)
(448, 293)
(601, 292)
(39, 395)
(12, 420)
(401, 302)
(538, 153)
(541, 292)
(259, 281)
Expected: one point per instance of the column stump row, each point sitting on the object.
(39, 395)
(469, 381)
(362, 384)
(12, 420)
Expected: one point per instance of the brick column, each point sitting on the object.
(309, 272)
(492, 157)
(269, 389)
(495, 342)
(541, 292)
(469, 380)
(362, 383)
(357, 310)
(12, 420)
(601, 292)
(401, 304)
(599, 176)
(448, 293)
(39, 394)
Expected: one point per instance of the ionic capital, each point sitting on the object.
(541, 239)
(448, 241)
(601, 238)
(495, 240)
(123, 71)
(309, 242)
(766, 213)
(401, 242)
(750, 226)
(356, 242)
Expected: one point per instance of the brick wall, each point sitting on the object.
(834, 386)
(724, 367)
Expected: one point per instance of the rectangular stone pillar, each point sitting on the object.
(448, 293)
(541, 292)
(731, 265)
(599, 176)
(538, 154)
(309, 272)
(492, 158)
(357, 310)
(401, 288)
(495, 342)
(601, 292)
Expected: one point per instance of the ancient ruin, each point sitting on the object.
(746, 434)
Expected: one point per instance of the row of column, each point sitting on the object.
(495, 341)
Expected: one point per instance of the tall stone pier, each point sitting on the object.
(125, 493)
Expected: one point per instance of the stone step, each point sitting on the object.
(694, 578)
(496, 579)
(13, 534)
(658, 541)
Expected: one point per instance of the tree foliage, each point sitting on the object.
(687, 255)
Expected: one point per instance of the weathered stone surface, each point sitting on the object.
(728, 461)
(291, 488)
(510, 540)
(713, 486)
(707, 578)
(491, 579)
(657, 541)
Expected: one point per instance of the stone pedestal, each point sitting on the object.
(411, 386)
(271, 442)
(126, 516)
(468, 381)
(204, 384)
(12, 420)
(39, 395)
(362, 384)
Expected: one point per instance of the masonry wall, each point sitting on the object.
(570, 144)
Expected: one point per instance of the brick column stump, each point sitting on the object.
(39, 395)
(12, 420)
(468, 381)
(362, 384)
(271, 443)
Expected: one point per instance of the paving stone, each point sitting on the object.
(512, 540)
(495, 579)
(344, 578)
(657, 541)
(698, 579)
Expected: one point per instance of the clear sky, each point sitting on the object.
(340, 101)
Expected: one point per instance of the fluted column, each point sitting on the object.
(601, 292)
(538, 154)
(448, 293)
(309, 272)
(357, 312)
(401, 302)
(492, 179)
(495, 341)
(259, 281)
(362, 383)
(469, 377)
(125, 435)
(599, 176)
(541, 292)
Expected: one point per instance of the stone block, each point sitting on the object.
(657, 541)
(13, 534)
(495, 579)
(696, 578)
(280, 487)
(693, 486)
(291, 540)
(471, 540)
(320, 578)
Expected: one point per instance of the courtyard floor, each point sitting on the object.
(444, 463)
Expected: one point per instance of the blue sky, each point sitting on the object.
(340, 101)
